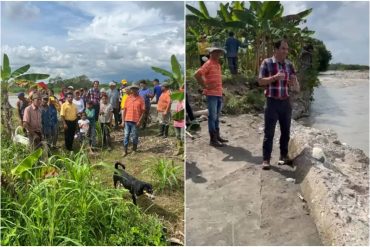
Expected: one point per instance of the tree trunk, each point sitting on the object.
(6, 112)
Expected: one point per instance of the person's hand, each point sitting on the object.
(279, 76)
(138, 124)
(123, 124)
(65, 126)
(210, 86)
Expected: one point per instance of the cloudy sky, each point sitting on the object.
(103, 40)
(343, 26)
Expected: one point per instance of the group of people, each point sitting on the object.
(277, 75)
(81, 110)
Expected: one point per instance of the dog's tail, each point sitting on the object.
(119, 164)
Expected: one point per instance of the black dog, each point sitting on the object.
(135, 186)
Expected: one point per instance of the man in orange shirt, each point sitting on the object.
(164, 110)
(209, 76)
(132, 115)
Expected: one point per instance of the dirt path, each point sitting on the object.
(231, 201)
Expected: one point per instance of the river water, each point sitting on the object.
(342, 104)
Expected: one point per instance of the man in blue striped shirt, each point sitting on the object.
(277, 75)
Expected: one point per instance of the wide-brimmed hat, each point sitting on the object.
(124, 82)
(35, 96)
(70, 87)
(112, 83)
(165, 84)
(134, 86)
(215, 47)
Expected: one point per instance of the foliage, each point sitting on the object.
(323, 54)
(176, 75)
(340, 66)
(257, 26)
(10, 78)
(71, 208)
(165, 173)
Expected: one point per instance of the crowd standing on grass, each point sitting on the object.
(81, 110)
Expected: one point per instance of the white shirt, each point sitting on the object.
(84, 125)
(80, 105)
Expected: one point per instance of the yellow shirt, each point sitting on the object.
(202, 48)
(69, 111)
(123, 101)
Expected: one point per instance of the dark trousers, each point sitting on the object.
(189, 111)
(97, 110)
(106, 134)
(233, 65)
(69, 134)
(277, 110)
(117, 118)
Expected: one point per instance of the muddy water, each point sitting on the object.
(342, 104)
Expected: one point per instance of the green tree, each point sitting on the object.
(8, 79)
(324, 55)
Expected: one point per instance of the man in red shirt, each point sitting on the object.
(132, 115)
(277, 75)
(210, 77)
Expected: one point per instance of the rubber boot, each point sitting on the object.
(134, 148)
(126, 151)
(166, 131)
(213, 140)
(161, 130)
(180, 147)
(219, 137)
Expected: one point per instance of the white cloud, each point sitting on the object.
(99, 39)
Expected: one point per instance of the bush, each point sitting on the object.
(72, 209)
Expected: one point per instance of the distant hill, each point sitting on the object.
(341, 66)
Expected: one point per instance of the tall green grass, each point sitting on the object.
(70, 209)
(165, 174)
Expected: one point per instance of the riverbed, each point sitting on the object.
(341, 103)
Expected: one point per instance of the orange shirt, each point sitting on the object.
(134, 108)
(211, 73)
(164, 101)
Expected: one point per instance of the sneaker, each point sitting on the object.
(283, 160)
(266, 165)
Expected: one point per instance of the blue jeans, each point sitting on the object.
(130, 128)
(214, 108)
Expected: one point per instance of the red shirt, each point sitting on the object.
(134, 108)
(211, 73)
(270, 67)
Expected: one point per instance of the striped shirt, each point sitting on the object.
(270, 67)
(93, 95)
(211, 72)
(134, 108)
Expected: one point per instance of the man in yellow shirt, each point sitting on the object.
(202, 49)
(68, 114)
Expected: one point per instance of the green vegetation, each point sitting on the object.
(340, 66)
(165, 173)
(257, 27)
(9, 78)
(71, 208)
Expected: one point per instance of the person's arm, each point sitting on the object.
(294, 83)
(264, 80)
(62, 113)
(142, 115)
(26, 119)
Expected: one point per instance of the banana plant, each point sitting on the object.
(8, 79)
(176, 77)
